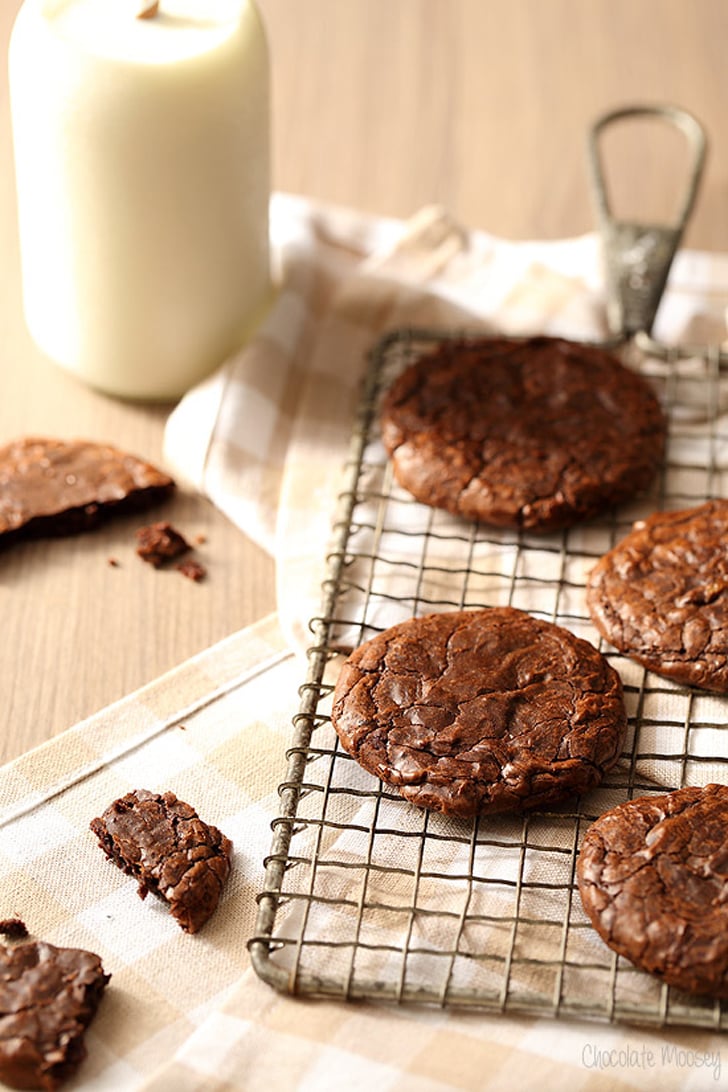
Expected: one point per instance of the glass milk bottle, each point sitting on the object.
(141, 141)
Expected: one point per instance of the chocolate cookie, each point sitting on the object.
(661, 595)
(537, 433)
(653, 879)
(48, 997)
(480, 711)
(59, 487)
(164, 844)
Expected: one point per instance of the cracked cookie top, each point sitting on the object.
(539, 433)
(661, 595)
(481, 711)
(653, 879)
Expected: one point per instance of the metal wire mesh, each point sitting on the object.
(368, 897)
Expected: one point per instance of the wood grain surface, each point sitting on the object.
(385, 105)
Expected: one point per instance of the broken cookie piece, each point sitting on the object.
(48, 997)
(60, 487)
(169, 850)
(193, 570)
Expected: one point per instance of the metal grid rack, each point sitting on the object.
(368, 897)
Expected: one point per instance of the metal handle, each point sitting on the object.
(638, 256)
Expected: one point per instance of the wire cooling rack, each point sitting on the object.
(368, 897)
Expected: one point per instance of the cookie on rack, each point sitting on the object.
(660, 595)
(653, 880)
(537, 434)
(481, 711)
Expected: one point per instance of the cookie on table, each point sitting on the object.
(536, 434)
(653, 879)
(48, 997)
(169, 850)
(484, 711)
(59, 487)
(660, 595)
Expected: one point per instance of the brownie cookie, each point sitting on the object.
(538, 433)
(48, 997)
(661, 595)
(653, 879)
(483, 711)
(59, 487)
(164, 844)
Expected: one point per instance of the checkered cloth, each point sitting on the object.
(186, 1013)
(265, 438)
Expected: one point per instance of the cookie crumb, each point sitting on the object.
(158, 543)
(113, 563)
(192, 570)
(13, 928)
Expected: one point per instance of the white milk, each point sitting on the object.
(142, 165)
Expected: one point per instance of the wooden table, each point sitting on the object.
(386, 105)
